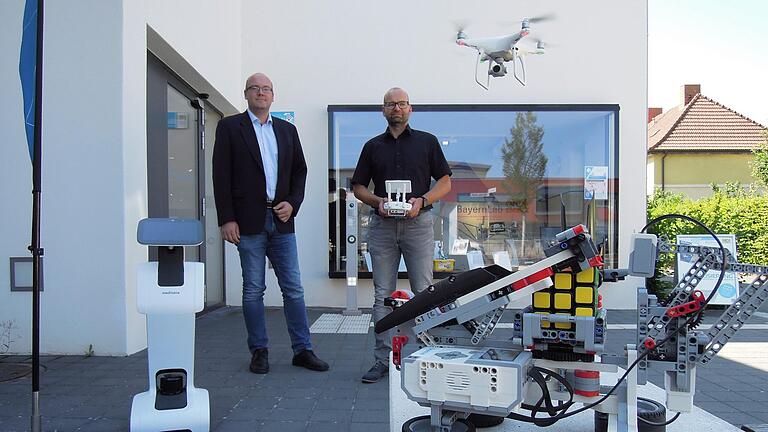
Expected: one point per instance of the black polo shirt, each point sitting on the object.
(414, 155)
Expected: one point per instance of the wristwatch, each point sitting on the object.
(424, 201)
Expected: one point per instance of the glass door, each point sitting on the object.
(214, 245)
(179, 185)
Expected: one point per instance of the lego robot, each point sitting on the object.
(548, 364)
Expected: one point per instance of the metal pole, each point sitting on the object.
(35, 248)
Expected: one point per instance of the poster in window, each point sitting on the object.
(595, 182)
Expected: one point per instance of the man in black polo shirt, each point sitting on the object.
(400, 153)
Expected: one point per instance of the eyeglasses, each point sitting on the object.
(401, 104)
(258, 89)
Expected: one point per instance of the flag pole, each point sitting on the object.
(35, 248)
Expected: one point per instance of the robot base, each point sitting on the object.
(195, 417)
(423, 424)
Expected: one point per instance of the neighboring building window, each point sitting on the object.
(516, 171)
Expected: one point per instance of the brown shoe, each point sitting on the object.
(308, 359)
(260, 361)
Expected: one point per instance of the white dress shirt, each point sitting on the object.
(268, 149)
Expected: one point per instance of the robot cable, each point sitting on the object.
(645, 353)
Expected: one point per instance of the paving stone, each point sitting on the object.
(238, 426)
(327, 427)
(250, 414)
(369, 427)
(370, 415)
(757, 409)
(334, 404)
(331, 415)
(105, 425)
(289, 414)
(738, 419)
(718, 408)
(297, 403)
(62, 424)
(14, 424)
(284, 426)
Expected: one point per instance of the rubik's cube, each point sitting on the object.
(573, 294)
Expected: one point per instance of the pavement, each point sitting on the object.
(93, 393)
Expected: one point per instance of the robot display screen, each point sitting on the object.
(170, 232)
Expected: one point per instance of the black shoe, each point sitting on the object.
(308, 359)
(260, 361)
(376, 373)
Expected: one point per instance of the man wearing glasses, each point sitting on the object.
(400, 153)
(259, 174)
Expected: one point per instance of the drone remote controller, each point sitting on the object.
(397, 206)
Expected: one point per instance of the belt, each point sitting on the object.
(269, 204)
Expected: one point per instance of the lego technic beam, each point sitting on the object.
(684, 300)
(573, 248)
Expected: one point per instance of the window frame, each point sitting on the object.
(344, 108)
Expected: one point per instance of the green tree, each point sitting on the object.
(730, 210)
(524, 162)
(760, 163)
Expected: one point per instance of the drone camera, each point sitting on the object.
(497, 70)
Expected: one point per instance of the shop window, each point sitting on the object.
(518, 171)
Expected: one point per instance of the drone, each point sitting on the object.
(501, 49)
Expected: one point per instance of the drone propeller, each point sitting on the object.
(529, 20)
(540, 44)
(541, 18)
(459, 26)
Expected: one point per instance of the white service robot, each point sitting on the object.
(169, 293)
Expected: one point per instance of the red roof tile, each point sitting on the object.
(704, 125)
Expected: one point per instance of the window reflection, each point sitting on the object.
(517, 173)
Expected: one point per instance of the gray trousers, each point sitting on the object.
(387, 239)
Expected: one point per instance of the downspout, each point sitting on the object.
(662, 170)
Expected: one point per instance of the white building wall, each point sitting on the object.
(94, 156)
(350, 52)
(15, 180)
(649, 176)
(94, 185)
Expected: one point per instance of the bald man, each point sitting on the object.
(259, 175)
(400, 153)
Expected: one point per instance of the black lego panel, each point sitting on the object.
(443, 292)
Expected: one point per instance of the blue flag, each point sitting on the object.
(27, 65)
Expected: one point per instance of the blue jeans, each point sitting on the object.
(282, 253)
(388, 238)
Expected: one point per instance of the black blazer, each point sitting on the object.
(239, 184)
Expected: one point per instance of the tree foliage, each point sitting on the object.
(731, 210)
(524, 163)
(523, 158)
(760, 163)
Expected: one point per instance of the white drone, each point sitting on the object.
(500, 49)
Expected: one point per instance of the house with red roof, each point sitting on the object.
(699, 142)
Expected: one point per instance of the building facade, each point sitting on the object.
(698, 143)
(133, 91)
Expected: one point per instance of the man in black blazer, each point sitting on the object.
(259, 175)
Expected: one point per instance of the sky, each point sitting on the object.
(722, 45)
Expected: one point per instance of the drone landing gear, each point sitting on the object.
(496, 68)
(522, 68)
(487, 78)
